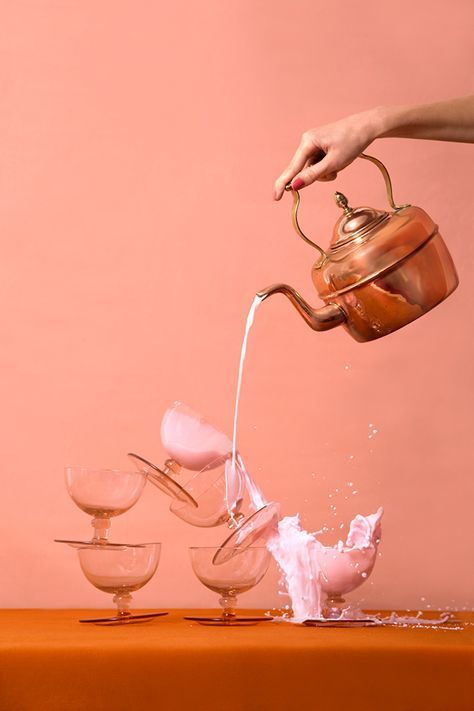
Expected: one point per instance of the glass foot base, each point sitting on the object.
(357, 622)
(229, 622)
(96, 543)
(124, 619)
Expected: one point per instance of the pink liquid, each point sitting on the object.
(191, 440)
(256, 496)
(295, 551)
(309, 568)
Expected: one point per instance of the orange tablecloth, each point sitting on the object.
(48, 661)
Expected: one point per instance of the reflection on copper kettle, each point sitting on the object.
(382, 270)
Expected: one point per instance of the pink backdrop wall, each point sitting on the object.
(139, 145)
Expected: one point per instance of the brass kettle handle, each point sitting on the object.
(386, 177)
(296, 204)
(299, 231)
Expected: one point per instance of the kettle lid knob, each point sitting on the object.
(343, 202)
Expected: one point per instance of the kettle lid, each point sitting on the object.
(356, 225)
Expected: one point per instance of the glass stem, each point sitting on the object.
(228, 604)
(101, 528)
(334, 606)
(171, 467)
(123, 602)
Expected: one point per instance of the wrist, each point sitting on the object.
(393, 121)
(382, 121)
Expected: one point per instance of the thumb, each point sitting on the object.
(322, 170)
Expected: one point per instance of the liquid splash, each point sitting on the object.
(311, 569)
(295, 550)
(445, 621)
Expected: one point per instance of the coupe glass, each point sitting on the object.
(120, 570)
(215, 501)
(102, 493)
(342, 571)
(191, 442)
(241, 572)
(345, 567)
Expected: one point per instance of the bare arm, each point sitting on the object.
(326, 150)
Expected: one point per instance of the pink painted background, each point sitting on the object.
(139, 142)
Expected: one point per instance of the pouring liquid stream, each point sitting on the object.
(256, 497)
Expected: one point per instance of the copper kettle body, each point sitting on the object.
(381, 271)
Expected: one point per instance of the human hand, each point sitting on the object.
(325, 150)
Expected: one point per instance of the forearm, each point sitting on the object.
(325, 150)
(443, 121)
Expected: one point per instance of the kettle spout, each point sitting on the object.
(321, 319)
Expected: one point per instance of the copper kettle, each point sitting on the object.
(382, 270)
